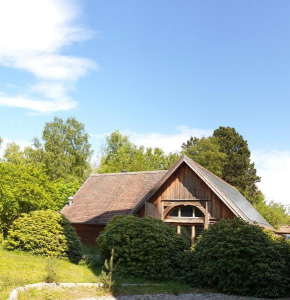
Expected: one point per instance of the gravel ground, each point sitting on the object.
(191, 296)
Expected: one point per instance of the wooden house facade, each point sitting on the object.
(187, 196)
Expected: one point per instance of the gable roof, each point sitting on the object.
(236, 202)
(103, 196)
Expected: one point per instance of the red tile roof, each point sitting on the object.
(105, 195)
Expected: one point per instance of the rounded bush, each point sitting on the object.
(45, 233)
(239, 258)
(144, 247)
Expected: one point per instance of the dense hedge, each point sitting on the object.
(45, 233)
(144, 247)
(239, 258)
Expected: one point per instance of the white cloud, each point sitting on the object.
(32, 35)
(168, 142)
(274, 168)
(41, 106)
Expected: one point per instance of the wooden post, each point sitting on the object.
(193, 235)
(206, 216)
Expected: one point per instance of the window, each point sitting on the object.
(186, 231)
(174, 213)
(186, 211)
(198, 230)
(198, 213)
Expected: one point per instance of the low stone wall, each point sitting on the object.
(14, 294)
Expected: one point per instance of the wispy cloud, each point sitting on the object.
(167, 142)
(32, 35)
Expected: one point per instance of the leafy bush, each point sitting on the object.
(243, 259)
(144, 247)
(93, 260)
(45, 233)
(187, 267)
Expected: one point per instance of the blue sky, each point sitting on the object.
(158, 70)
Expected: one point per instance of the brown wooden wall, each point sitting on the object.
(185, 184)
(88, 232)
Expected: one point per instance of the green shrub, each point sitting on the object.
(239, 258)
(144, 247)
(187, 267)
(45, 233)
(93, 260)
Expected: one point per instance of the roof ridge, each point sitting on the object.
(217, 177)
(128, 173)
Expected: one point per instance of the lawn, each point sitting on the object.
(18, 269)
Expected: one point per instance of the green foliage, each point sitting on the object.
(14, 154)
(120, 154)
(187, 267)
(50, 269)
(275, 213)
(237, 168)
(67, 149)
(107, 275)
(144, 247)
(23, 188)
(45, 233)
(242, 259)
(227, 155)
(206, 152)
(62, 191)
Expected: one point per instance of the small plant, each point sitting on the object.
(106, 277)
(50, 268)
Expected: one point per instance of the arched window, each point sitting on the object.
(186, 211)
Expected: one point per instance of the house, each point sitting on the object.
(284, 231)
(187, 196)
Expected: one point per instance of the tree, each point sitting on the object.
(67, 150)
(23, 188)
(120, 153)
(13, 154)
(275, 213)
(227, 155)
(237, 168)
(206, 152)
(27, 187)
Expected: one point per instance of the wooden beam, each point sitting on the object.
(206, 218)
(184, 220)
(189, 200)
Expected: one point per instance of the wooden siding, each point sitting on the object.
(185, 184)
(88, 232)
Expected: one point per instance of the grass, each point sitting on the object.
(62, 293)
(18, 269)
